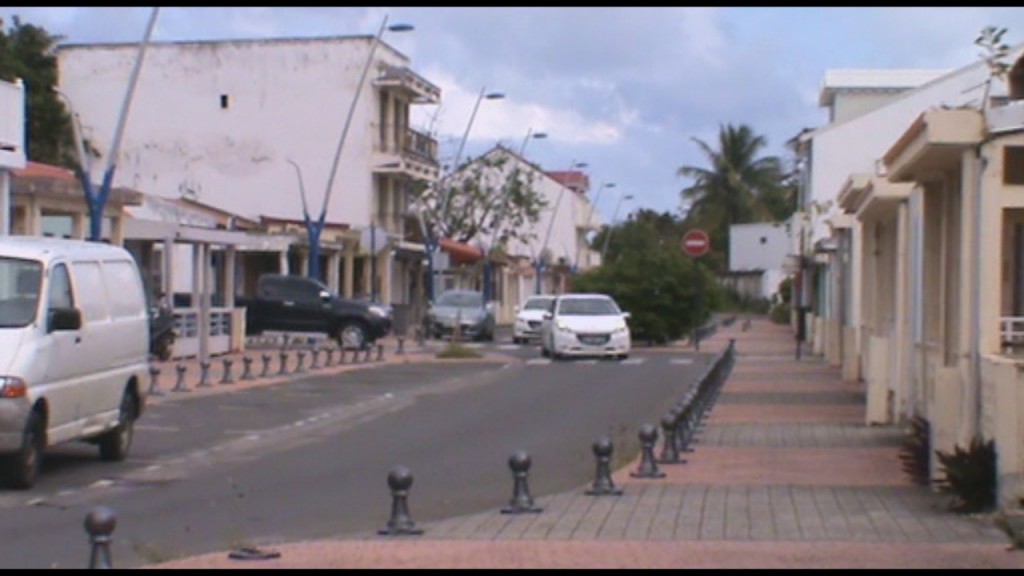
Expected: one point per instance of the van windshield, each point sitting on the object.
(20, 281)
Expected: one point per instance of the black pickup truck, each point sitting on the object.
(298, 304)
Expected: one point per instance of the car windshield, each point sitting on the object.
(537, 304)
(461, 299)
(20, 281)
(588, 307)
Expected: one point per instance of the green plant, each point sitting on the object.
(457, 350)
(780, 314)
(915, 451)
(969, 475)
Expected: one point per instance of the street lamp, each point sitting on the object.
(315, 228)
(488, 266)
(96, 200)
(430, 237)
(611, 226)
(539, 263)
(590, 217)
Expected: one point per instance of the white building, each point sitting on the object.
(12, 145)
(244, 126)
(757, 253)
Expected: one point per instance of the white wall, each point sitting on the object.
(758, 246)
(12, 144)
(287, 99)
(854, 146)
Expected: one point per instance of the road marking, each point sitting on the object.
(508, 347)
(681, 361)
(538, 362)
(151, 428)
(632, 361)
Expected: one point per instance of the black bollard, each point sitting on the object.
(283, 370)
(400, 524)
(314, 359)
(684, 428)
(521, 501)
(154, 384)
(648, 467)
(247, 368)
(366, 353)
(341, 356)
(380, 352)
(669, 449)
(401, 347)
(266, 366)
(300, 358)
(99, 524)
(603, 484)
(226, 377)
(179, 386)
(329, 361)
(204, 371)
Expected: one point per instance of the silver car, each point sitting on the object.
(463, 308)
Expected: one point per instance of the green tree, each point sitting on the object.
(649, 276)
(738, 186)
(489, 197)
(26, 52)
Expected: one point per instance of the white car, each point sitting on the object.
(585, 325)
(529, 317)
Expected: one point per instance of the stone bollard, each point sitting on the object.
(521, 501)
(247, 368)
(400, 523)
(314, 359)
(204, 371)
(603, 484)
(226, 376)
(380, 353)
(99, 524)
(154, 384)
(300, 359)
(648, 468)
(179, 386)
(669, 446)
(283, 370)
(266, 366)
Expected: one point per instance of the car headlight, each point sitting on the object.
(379, 311)
(562, 326)
(621, 330)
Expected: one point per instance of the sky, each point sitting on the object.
(625, 90)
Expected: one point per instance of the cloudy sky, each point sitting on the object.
(625, 90)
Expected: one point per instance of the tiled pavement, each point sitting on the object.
(785, 475)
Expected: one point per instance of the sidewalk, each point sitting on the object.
(785, 475)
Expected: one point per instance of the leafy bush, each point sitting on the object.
(780, 314)
(970, 476)
(915, 451)
(456, 350)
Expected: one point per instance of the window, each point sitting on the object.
(1013, 165)
(223, 101)
(19, 291)
(59, 293)
(126, 299)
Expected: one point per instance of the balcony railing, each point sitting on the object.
(1011, 333)
(423, 91)
(413, 144)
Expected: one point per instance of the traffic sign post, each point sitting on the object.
(696, 243)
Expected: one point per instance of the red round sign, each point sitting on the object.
(696, 242)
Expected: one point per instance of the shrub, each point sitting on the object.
(780, 314)
(456, 350)
(970, 476)
(915, 451)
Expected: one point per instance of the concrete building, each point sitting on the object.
(12, 145)
(246, 126)
(757, 254)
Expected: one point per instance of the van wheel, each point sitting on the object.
(114, 445)
(352, 335)
(24, 465)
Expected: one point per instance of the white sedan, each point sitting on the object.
(585, 325)
(529, 317)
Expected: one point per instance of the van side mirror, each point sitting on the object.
(64, 319)
(548, 316)
(626, 315)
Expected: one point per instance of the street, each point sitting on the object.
(309, 458)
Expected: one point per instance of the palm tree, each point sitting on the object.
(731, 190)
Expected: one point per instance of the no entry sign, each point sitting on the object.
(696, 242)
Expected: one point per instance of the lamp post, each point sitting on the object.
(539, 262)
(488, 266)
(315, 228)
(611, 226)
(97, 199)
(590, 217)
(431, 237)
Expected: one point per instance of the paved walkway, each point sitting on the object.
(784, 475)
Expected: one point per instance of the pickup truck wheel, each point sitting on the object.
(353, 335)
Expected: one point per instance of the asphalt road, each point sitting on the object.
(310, 458)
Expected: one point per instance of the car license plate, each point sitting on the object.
(593, 340)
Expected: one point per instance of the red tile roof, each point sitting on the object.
(40, 170)
(573, 179)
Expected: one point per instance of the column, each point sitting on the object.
(350, 268)
(283, 262)
(167, 283)
(304, 266)
(386, 275)
(197, 274)
(333, 270)
(230, 263)
(5, 202)
(205, 285)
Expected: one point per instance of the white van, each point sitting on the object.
(74, 343)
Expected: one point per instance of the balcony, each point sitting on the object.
(416, 88)
(410, 152)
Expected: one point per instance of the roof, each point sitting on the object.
(40, 170)
(44, 247)
(574, 180)
(874, 80)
